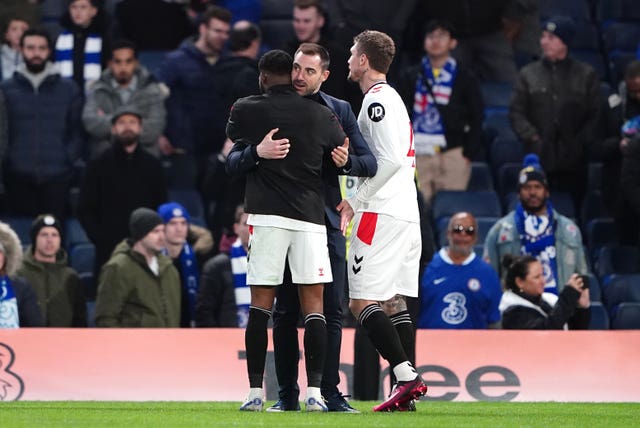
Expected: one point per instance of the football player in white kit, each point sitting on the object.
(385, 242)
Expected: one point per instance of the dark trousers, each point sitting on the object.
(28, 197)
(285, 321)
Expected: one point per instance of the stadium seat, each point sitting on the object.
(621, 288)
(481, 204)
(505, 150)
(618, 259)
(621, 36)
(593, 58)
(82, 257)
(74, 233)
(579, 10)
(507, 178)
(480, 177)
(496, 96)
(626, 317)
(484, 224)
(586, 37)
(608, 11)
(599, 317)
(592, 207)
(595, 289)
(600, 231)
(22, 226)
(496, 124)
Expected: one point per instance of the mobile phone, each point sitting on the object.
(585, 281)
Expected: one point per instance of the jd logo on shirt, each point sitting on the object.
(376, 112)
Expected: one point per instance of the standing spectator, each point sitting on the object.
(45, 133)
(18, 301)
(139, 286)
(187, 245)
(81, 46)
(309, 26)
(446, 110)
(460, 290)
(630, 190)
(124, 177)
(10, 53)
(195, 109)
(59, 289)
(525, 304)
(535, 228)
(554, 109)
(622, 133)
(285, 201)
(125, 82)
(224, 296)
(384, 257)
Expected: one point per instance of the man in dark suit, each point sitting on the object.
(310, 70)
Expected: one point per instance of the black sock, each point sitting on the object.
(255, 342)
(382, 334)
(315, 345)
(404, 326)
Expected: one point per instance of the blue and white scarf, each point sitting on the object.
(242, 290)
(8, 305)
(537, 236)
(92, 56)
(190, 279)
(427, 124)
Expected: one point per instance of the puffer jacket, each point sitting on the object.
(103, 100)
(131, 295)
(60, 291)
(559, 103)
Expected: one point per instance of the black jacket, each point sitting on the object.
(216, 303)
(462, 117)
(291, 187)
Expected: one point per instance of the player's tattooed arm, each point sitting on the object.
(394, 305)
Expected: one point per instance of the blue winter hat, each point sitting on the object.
(171, 210)
(562, 26)
(531, 171)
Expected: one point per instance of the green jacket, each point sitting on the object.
(131, 295)
(503, 239)
(60, 291)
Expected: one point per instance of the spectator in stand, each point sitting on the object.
(525, 305)
(60, 291)
(125, 82)
(555, 107)
(460, 290)
(309, 19)
(18, 301)
(81, 46)
(188, 246)
(196, 118)
(224, 296)
(124, 177)
(630, 188)
(445, 104)
(10, 53)
(45, 133)
(139, 286)
(536, 228)
(621, 126)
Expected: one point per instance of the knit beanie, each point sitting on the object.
(171, 210)
(531, 171)
(562, 26)
(43, 220)
(141, 222)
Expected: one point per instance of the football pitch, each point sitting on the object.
(225, 414)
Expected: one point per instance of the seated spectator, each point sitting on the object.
(535, 228)
(45, 133)
(60, 291)
(10, 53)
(525, 304)
(188, 246)
(224, 296)
(555, 108)
(460, 290)
(139, 286)
(18, 301)
(445, 105)
(125, 82)
(81, 47)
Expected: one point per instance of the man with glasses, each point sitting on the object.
(459, 290)
(534, 227)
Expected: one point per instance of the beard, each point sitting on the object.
(126, 139)
(35, 67)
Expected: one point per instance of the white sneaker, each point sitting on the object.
(313, 404)
(252, 405)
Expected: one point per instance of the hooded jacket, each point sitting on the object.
(60, 291)
(131, 295)
(28, 311)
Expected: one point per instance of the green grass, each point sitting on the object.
(225, 414)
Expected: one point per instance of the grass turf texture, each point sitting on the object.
(226, 414)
